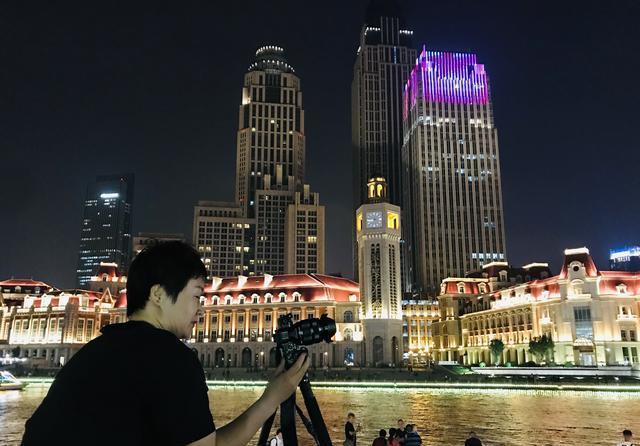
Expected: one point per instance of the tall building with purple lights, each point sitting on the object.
(383, 63)
(452, 196)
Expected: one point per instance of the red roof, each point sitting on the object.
(311, 287)
(24, 282)
(584, 258)
(110, 269)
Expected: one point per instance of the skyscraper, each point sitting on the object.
(452, 199)
(106, 225)
(269, 172)
(383, 63)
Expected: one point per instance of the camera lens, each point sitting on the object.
(312, 331)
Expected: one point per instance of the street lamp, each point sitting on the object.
(262, 358)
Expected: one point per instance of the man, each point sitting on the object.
(350, 430)
(382, 438)
(148, 385)
(412, 438)
(628, 438)
(473, 440)
(400, 432)
(277, 440)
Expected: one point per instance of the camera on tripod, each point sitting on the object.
(291, 338)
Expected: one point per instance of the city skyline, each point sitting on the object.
(84, 97)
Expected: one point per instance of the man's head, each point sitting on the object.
(164, 284)
(400, 423)
(382, 433)
(279, 433)
(409, 428)
(351, 417)
(392, 432)
(627, 434)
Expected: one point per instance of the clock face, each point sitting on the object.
(374, 219)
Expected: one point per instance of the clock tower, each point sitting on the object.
(378, 238)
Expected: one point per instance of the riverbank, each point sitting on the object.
(586, 387)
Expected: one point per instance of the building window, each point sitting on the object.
(632, 335)
(348, 316)
(461, 288)
(584, 326)
(623, 335)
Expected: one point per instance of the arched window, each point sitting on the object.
(255, 298)
(296, 297)
(461, 288)
(227, 300)
(348, 316)
(282, 297)
(622, 288)
(268, 297)
(215, 300)
(241, 299)
(348, 334)
(503, 276)
(482, 288)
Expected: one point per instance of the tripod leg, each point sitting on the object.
(307, 423)
(266, 428)
(313, 409)
(288, 421)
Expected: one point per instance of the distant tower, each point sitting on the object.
(378, 238)
(106, 225)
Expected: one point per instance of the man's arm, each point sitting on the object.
(239, 431)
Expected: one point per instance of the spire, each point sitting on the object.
(383, 8)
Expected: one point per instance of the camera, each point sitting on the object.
(291, 338)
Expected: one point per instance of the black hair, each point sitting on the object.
(278, 431)
(382, 433)
(168, 264)
(627, 432)
(350, 414)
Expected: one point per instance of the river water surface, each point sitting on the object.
(443, 417)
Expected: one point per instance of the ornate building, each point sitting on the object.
(13, 291)
(108, 277)
(50, 328)
(591, 315)
(238, 320)
(378, 237)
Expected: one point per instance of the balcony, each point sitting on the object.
(627, 317)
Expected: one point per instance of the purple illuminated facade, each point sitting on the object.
(452, 196)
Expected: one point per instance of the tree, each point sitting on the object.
(542, 348)
(496, 346)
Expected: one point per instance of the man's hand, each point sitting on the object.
(284, 382)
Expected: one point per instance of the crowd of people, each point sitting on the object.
(407, 435)
(401, 435)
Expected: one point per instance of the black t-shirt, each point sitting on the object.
(133, 385)
(348, 428)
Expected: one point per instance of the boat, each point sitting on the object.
(10, 382)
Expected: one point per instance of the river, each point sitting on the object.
(443, 417)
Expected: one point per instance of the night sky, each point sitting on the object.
(90, 90)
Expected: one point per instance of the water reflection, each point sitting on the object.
(444, 417)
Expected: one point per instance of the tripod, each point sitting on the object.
(316, 427)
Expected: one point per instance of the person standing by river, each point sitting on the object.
(628, 438)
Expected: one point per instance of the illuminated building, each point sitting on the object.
(383, 62)
(144, 239)
(304, 243)
(452, 198)
(418, 316)
(239, 317)
(52, 327)
(108, 277)
(591, 315)
(625, 259)
(378, 238)
(249, 235)
(106, 225)
(13, 291)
